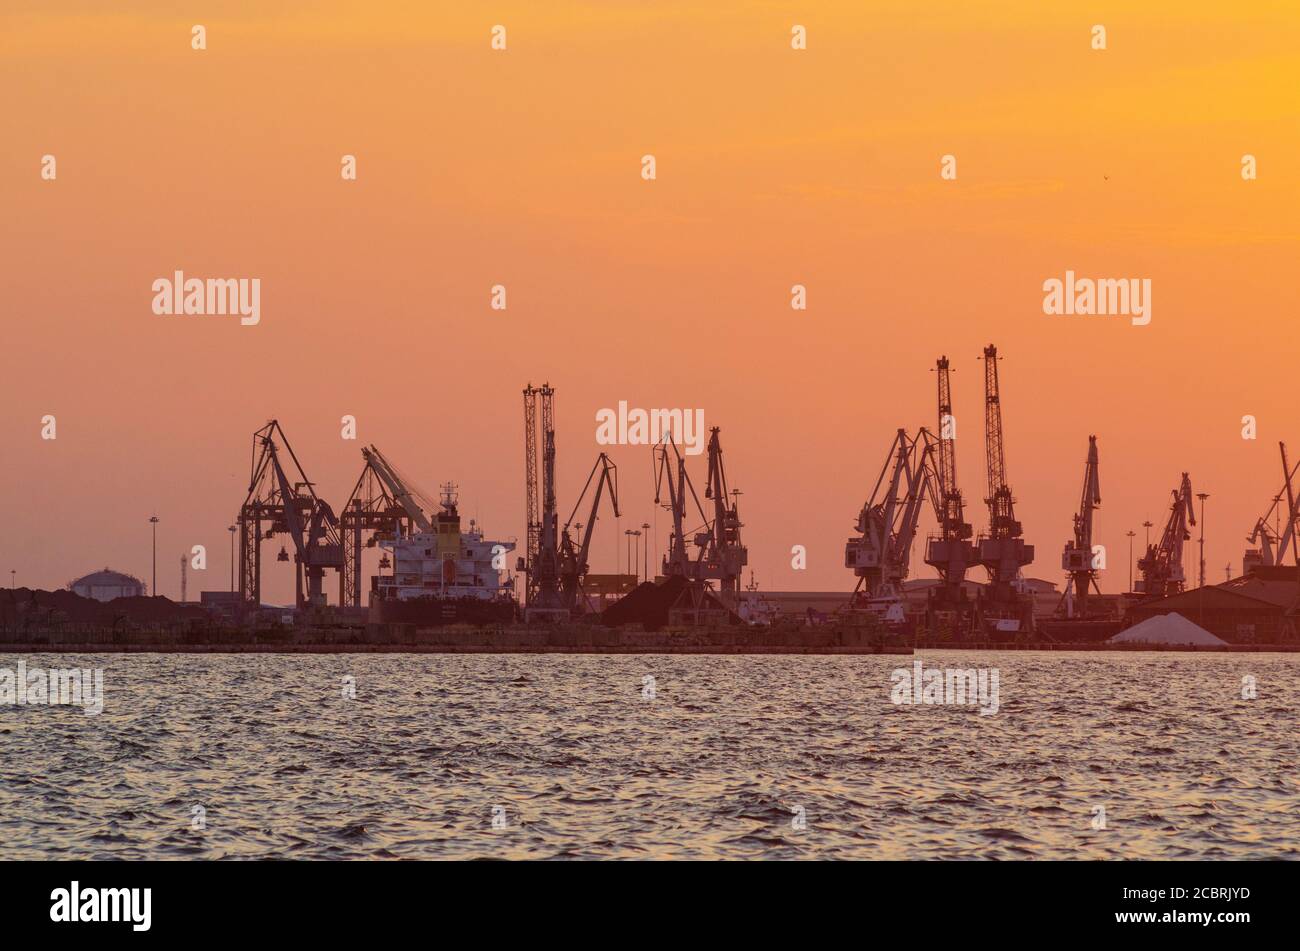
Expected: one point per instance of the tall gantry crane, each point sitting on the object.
(720, 555)
(1002, 552)
(1162, 565)
(1273, 540)
(381, 504)
(554, 564)
(1078, 558)
(542, 597)
(951, 553)
(881, 553)
(573, 556)
(275, 504)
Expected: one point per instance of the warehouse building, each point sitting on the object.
(1258, 608)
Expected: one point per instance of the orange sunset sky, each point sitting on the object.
(522, 167)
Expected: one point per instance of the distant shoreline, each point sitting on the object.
(628, 649)
(440, 649)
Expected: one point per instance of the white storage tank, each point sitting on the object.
(107, 584)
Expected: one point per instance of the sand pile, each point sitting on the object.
(1170, 628)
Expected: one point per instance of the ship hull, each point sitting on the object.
(1079, 631)
(437, 612)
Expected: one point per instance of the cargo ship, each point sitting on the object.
(445, 575)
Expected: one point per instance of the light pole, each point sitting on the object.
(1130, 559)
(1202, 496)
(13, 578)
(232, 558)
(628, 533)
(1147, 526)
(645, 528)
(153, 587)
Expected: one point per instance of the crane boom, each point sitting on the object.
(397, 488)
(370, 508)
(573, 559)
(676, 561)
(881, 553)
(919, 487)
(1289, 533)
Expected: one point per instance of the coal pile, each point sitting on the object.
(648, 604)
(34, 607)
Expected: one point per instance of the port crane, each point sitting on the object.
(543, 600)
(573, 556)
(676, 561)
(951, 552)
(1162, 565)
(1002, 551)
(720, 555)
(1266, 541)
(381, 504)
(1077, 559)
(554, 563)
(1274, 540)
(882, 551)
(286, 507)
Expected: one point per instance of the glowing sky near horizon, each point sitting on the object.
(775, 167)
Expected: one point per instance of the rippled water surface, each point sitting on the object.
(722, 762)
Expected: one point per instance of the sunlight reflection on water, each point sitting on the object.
(734, 757)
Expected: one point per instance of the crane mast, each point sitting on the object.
(952, 519)
(542, 599)
(724, 556)
(533, 522)
(672, 473)
(1002, 517)
(1002, 552)
(951, 553)
(1077, 559)
(1162, 565)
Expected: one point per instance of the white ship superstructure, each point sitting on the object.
(446, 561)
